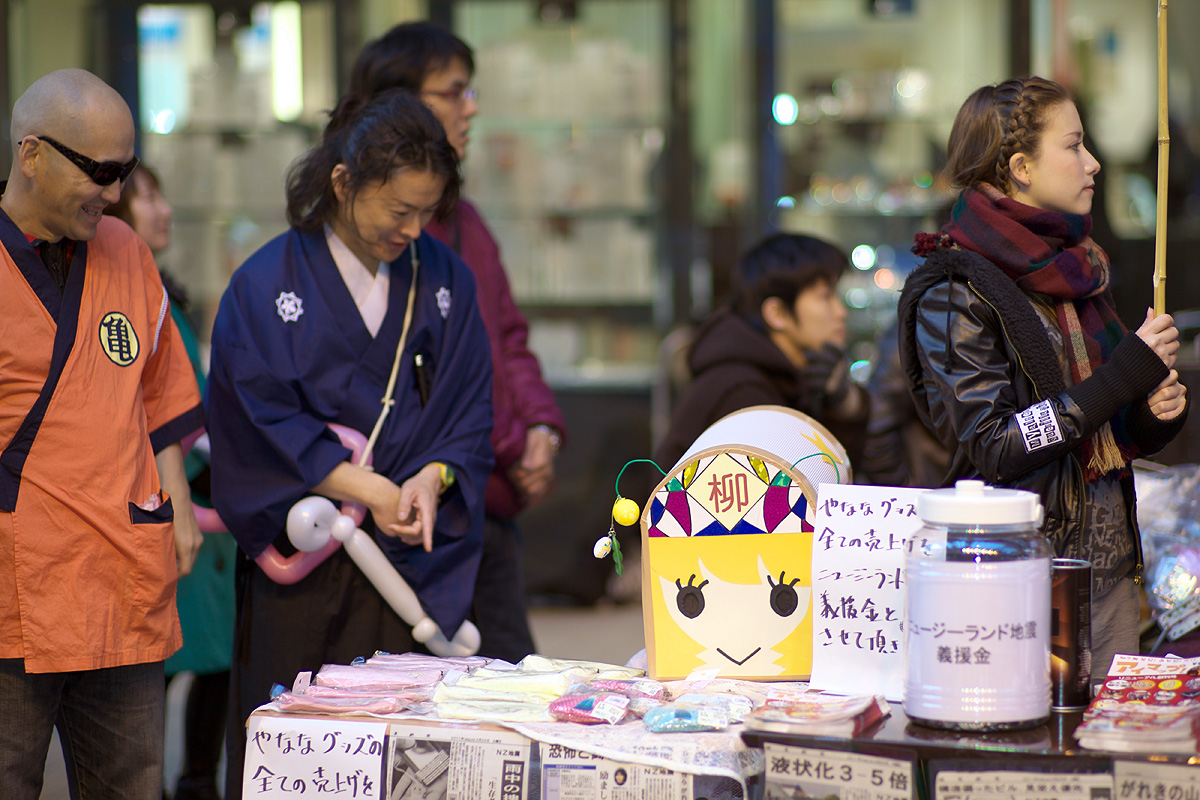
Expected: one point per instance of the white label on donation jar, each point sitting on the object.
(978, 641)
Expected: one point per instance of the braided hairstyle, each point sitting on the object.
(374, 137)
(995, 123)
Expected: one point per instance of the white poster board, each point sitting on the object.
(296, 757)
(861, 534)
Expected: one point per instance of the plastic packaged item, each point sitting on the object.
(367, 704)
(978, 611)
(735, 706)
(363, 676)
(638, 706)
(638, 687)
(590, 708)
(676, 718)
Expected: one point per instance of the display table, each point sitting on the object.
(403, 757)
(408, 758)
(899, 759)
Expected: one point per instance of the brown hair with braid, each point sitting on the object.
(995, 123)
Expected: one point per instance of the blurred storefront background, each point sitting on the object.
(627, 150)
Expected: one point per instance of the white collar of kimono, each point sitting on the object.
(370, 292)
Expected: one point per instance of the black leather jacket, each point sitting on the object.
(977, 354)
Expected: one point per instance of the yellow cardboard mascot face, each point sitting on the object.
(728, 548)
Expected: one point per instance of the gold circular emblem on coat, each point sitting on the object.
(118, 339)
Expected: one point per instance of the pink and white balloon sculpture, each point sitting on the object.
(314, 522)
(317, 528)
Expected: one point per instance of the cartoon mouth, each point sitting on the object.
(734, 660)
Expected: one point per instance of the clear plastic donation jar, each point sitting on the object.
(977, 621)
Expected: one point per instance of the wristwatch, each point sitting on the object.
(555, 436)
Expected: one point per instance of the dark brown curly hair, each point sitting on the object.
(995, 123)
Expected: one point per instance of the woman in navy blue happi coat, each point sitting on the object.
(306, 335)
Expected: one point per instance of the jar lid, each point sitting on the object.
(976, 503)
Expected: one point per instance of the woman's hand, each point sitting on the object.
(417, 508)
(1160, 335)
(405, 511)
(1169, 399)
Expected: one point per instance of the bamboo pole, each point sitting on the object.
(1164, 155)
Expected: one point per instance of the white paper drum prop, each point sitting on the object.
(727, 547)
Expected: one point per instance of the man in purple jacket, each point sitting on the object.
(433, 63)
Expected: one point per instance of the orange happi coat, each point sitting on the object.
(93, 380)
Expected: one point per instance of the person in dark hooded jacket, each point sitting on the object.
(779, 341)
(1015, 355)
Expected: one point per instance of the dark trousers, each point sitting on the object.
(499, 606)
(204, 717)
(110, 723)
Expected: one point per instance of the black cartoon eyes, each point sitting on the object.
(783, 597)
(690, 599)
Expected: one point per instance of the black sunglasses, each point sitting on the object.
(102, 173)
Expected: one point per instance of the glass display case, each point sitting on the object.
(561, 164)
(226, 101)
(866, 95)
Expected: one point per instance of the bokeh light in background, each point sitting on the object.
(863, 257)
(785, 109)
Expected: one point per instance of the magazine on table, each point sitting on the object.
(818, 714)
(1146, 704)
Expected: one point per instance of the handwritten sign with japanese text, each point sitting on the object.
(297, 757)
(861, 536)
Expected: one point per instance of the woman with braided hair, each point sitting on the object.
(1017, 360)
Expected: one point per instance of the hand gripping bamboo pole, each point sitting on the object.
(1164, 155)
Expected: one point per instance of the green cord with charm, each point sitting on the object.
(624, 512)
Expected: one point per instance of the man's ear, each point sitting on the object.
(27, 153)
(775, 313)
(1018, 170)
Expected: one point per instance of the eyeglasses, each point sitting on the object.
(457, 95)
(102, 173)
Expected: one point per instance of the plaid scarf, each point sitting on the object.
(1048, 253)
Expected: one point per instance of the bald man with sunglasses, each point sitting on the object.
(96, 392)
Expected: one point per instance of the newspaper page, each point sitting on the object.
(835, 775)
(721, 754)
(569, 774)
(1147, 779)
(1015, 785)
(440, 763)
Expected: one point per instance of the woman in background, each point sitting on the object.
(205, 596)
(434, 64)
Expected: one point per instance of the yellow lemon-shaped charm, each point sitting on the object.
(625, 511)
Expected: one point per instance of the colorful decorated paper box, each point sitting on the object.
(727, 548)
